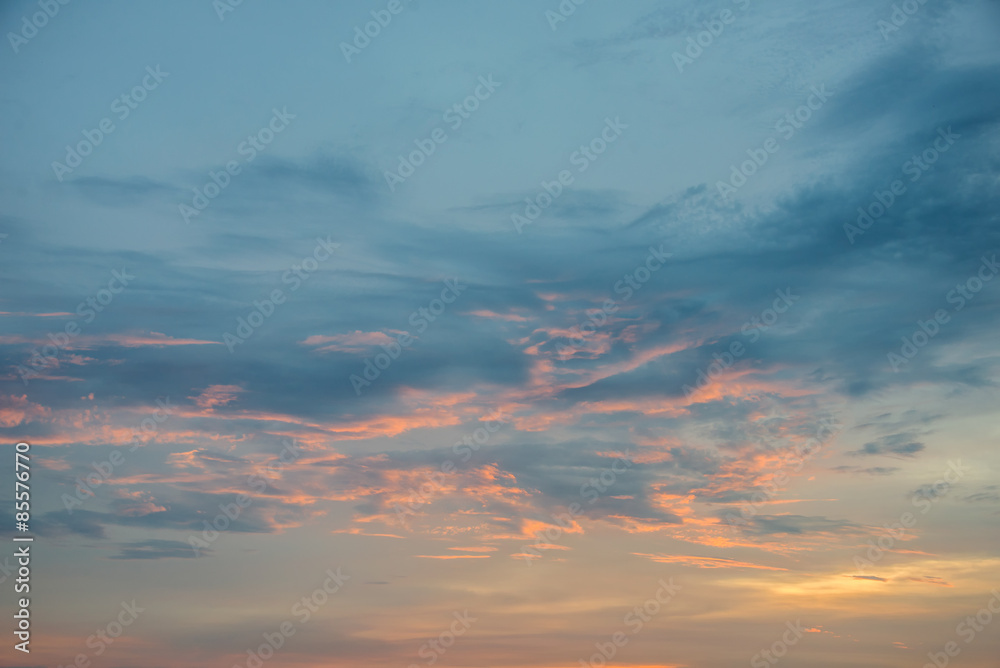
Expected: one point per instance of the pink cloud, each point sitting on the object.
(509, 317)
(155, 339)
(354, 342)
(17, 410)
(217, 395)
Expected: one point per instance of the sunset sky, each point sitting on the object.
(509, 334)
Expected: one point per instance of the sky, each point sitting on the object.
(526, 334)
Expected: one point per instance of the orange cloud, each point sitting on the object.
(705, 562)
(452, 556)
(17, 410)
(475, 549)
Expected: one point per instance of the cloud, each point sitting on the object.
(60, 523)
(155, 339)
(155, 549)
(895, 445)
(333, 173)
(218, 395)
(930, 579)
(452, 556)
(705, 562)
(871, 470)
(800, 525)
(988, 494)
(17, 410)
(353, 342)
(121, 192)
